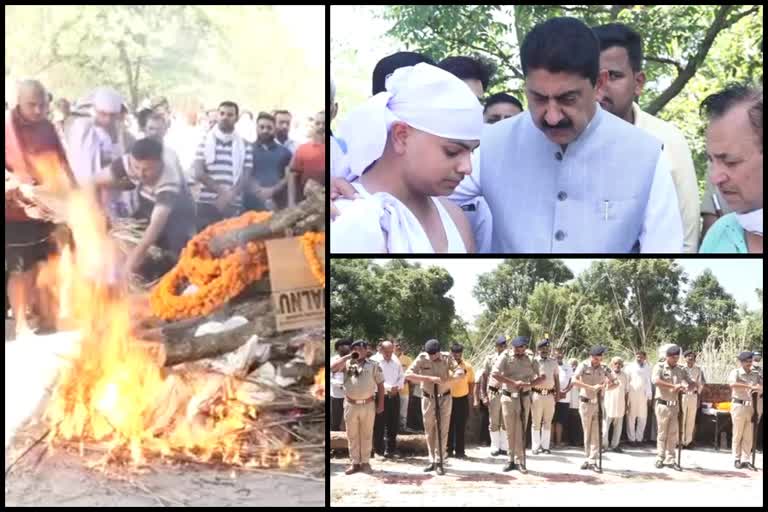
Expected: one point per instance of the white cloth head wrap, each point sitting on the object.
(422, 96)
(106, 99)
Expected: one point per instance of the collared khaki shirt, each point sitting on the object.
(742, 377)
(490, 360)
(444, 368)
(524, 368)
(695, 373)
(362, 379)
(672, 374)
(547, 367)
(592, 375)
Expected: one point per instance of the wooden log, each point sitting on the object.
(408, 443)
(291, 221)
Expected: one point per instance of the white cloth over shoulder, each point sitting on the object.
(422, 96)
(380, 223)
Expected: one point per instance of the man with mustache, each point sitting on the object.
(622, 57)
(587, 181)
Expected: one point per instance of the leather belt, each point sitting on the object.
(359, 402)
(588, 400)
(741, 402)
(543, 392)
(666, 402)
(514, 394)
(495, 390)
(441, 394)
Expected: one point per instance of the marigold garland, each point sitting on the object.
(219, 279)
(308, 243)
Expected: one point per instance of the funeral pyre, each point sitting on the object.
(218, 386)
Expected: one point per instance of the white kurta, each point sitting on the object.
(615, 398)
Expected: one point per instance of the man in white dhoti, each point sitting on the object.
(638, 397)
(406, 148)
(566, 176)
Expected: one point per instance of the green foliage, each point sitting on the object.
(514, 280)
(192, 54)
(397, 299)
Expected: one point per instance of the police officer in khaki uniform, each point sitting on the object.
(362, 378)
(429, 368)
(757, 357)
(743, 381)
(517, 372)
(590, 377)
(691, 397)
(543, 400)
(489, 393)
(669, 379)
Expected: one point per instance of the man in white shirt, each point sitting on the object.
(622, 56)
(639, 397)
(563, 401)
(342, 348)
(386, 425)
(615, 406)
(575, 430)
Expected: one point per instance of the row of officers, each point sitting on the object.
(520, 385)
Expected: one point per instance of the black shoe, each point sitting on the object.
(676, 466)
(497, 452)
(440, 470)
(594, 468)
(461, 456)
(659, 464)
(547, 451)
(389, 455)
(737, 464)
(749, 465)
(521, 468)
(502, 452)
(450, 454)
(510, 466)
(429, 468)
(536, 451)
(585, 465)
(618, 450)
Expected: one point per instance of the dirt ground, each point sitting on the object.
(62, 479)
(708, 479)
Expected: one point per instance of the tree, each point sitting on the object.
(644, 296)
(512, 282)
(397, 299)
(707, 303)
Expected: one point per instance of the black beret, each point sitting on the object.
(745, 356)
(342, 341)
(543, 343)
(501, 340)
(359, 343)
(520, 341)
(457, 348)
(597, 350)
(432, 347)
(688, 352)
(674, 350)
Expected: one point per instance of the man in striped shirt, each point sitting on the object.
(158, 194)
(222, 162)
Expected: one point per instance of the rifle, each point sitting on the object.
(754, 428)
(439, 433)
(679, 428)
(522, 424)
(599, 431)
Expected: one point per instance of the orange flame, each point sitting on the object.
(116, 391)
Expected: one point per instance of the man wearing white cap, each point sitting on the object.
(94, 140)
(406, 148)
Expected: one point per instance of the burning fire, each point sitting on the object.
(116, 391)
(318, 390)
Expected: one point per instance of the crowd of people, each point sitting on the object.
(426, 165)
(178, 172)
(515, 392)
